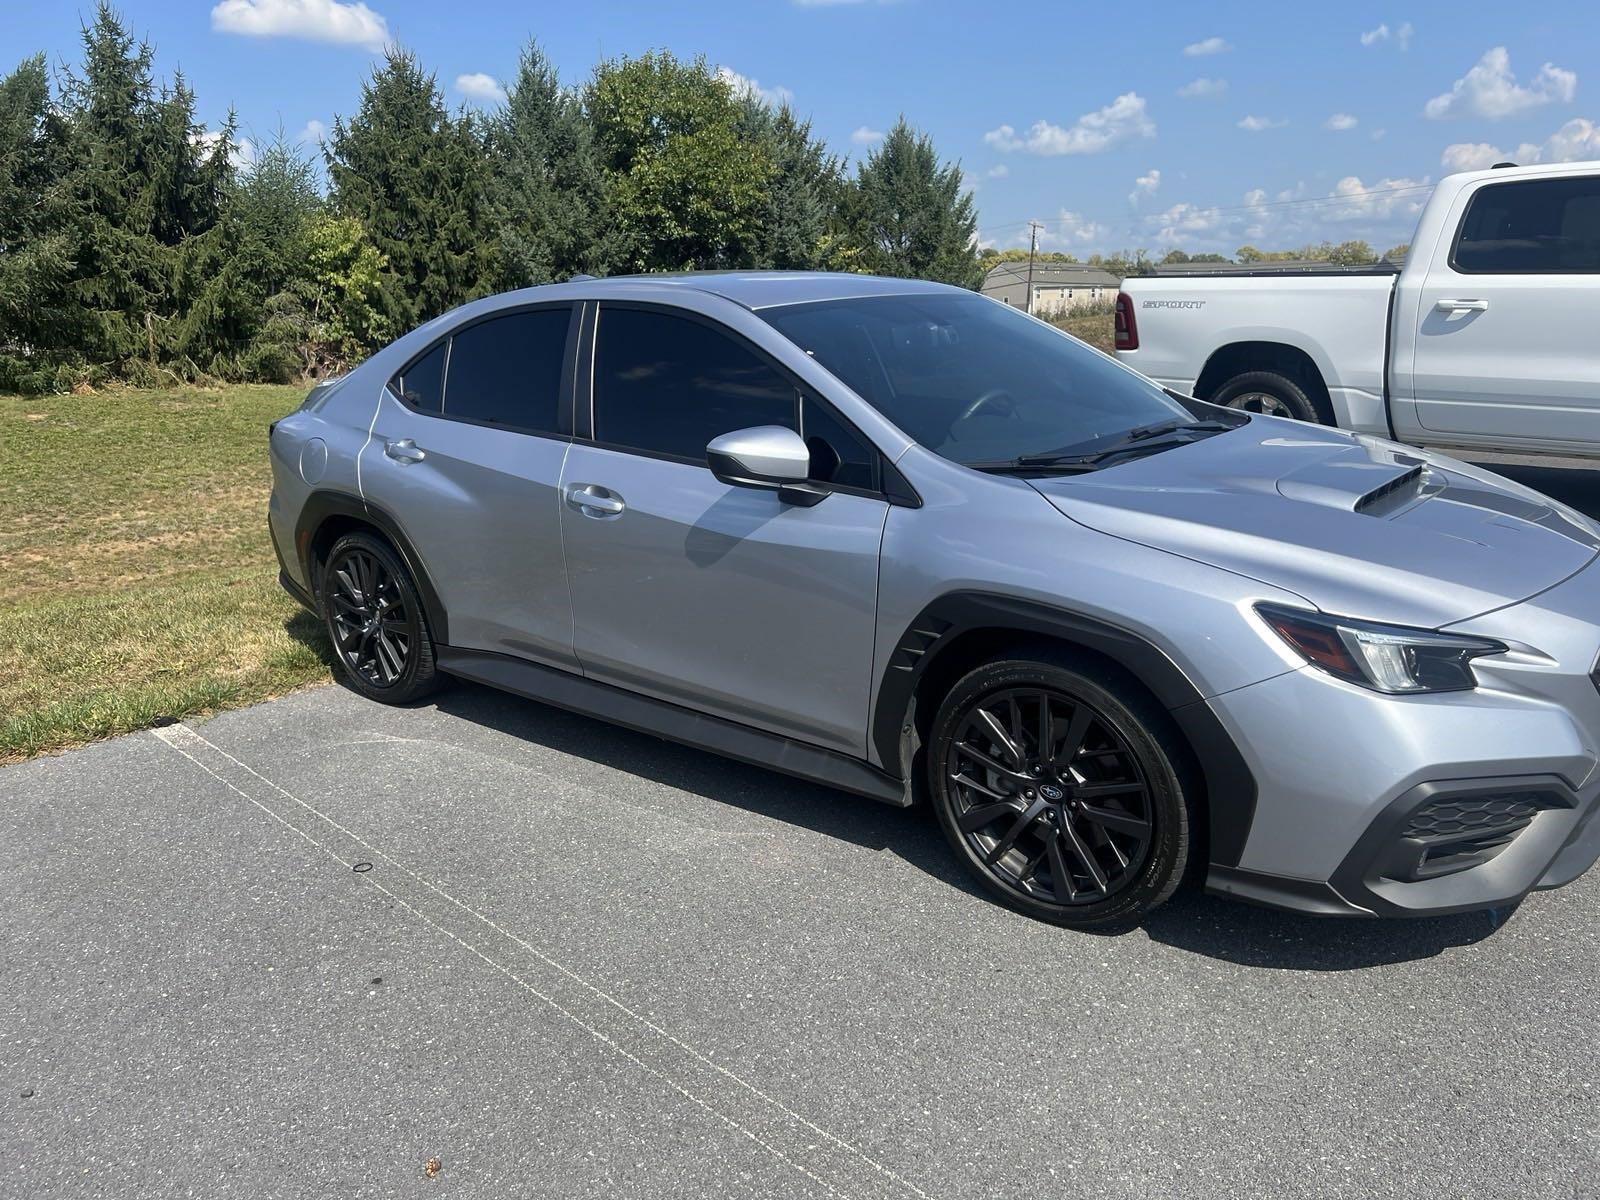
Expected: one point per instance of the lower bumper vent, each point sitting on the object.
(1454, 833)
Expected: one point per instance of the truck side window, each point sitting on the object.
(1537, 227)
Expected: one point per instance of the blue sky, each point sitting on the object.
(1119, 126)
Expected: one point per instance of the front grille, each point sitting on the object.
(1473, 815)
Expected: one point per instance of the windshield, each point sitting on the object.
(971, 379)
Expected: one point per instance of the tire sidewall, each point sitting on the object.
(1294, 397)
(1167, 859)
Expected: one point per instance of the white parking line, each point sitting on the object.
(766, 1123)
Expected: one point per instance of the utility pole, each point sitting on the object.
(1033, 248)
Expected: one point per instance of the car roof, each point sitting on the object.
(769, 289)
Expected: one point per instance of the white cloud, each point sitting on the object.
(1576, 141)
(1072, 229)
(1401, 35)
(313, 133)
(1339, 122)
(314, 20)
(997, 172)
(1490, 90)
(1203, 88)
(1380, 200)
(1145, 185)
(865, 136)
(479, 86)
(1378, 134)
(1470, 156)
(1124, 118)
(1210, 45)
(242, 154)
(1186, 220)
(743, 87)
(1257, 124)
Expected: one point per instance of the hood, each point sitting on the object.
(1357, 526)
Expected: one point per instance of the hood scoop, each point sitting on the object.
(1390, 497)
(1357, 483)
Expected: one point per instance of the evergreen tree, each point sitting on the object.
(417, 180)
(792, 226)
(547, 204)
(685, 186)
(909, 216)
(35, 249)
(144, 183)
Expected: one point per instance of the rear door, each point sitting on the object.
(465, 455)
(723, 599)
(1506, 346)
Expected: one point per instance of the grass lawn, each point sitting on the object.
(136, 577)
(1094, 327)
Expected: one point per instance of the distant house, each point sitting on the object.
(1057, 287)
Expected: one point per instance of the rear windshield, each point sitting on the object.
(971, 379)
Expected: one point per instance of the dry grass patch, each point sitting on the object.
(136, 577)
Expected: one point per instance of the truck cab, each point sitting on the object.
(1485, 339)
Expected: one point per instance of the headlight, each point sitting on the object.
(1385, 658)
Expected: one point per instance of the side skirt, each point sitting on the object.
(645, 714)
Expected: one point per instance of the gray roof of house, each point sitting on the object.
(1048, 274)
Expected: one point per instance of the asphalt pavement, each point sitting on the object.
(307, 948)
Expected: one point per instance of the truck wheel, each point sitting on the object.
(1272, 394)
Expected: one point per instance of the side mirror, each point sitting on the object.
(765, 456)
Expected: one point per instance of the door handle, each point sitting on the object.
(403, 451)
(1462, 305)
(592, 500)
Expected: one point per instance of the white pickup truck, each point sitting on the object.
(1487, 338)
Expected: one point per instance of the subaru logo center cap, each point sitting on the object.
(1051, 792)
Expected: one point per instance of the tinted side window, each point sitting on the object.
(507, 371)
(1542, 226)
(669, 385)
(421, 385)
(838, 453)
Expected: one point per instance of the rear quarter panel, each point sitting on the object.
(318, 448)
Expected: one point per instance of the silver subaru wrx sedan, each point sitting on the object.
(906, 541)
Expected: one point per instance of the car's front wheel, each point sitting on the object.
(1059, 786)
(375, 621)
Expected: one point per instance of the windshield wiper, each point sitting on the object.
(1144, 439)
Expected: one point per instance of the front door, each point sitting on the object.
(723, 599)
(1506, 345)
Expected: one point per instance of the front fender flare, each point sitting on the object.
(1230, 787)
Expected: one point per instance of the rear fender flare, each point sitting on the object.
(325, 504)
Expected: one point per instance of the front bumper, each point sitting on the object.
(1415, 805)
(1446, 846)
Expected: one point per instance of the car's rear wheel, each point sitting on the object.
(1272, 394)
(1060, 787)
(376, 622)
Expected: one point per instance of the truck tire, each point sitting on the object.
(1272, 394)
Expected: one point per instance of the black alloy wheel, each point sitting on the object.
(375, 620)
(1057, 794)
